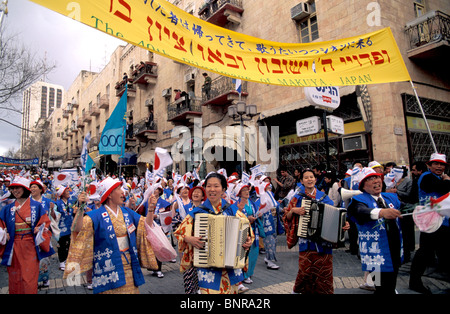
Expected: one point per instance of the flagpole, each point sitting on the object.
(123, 152)
(424, 117)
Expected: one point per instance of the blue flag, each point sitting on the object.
(112, 141)
(89, 164)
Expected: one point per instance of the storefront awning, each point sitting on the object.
(231, 142)
(54, 164)
(128, 159)
(299, 104)
(146, 157)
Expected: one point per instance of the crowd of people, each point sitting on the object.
(101, 229)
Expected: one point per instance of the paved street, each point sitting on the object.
(347, 277)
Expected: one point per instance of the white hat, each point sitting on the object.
(38, 182)
(366, 173)
(20, 181)
(61, 189)
(106, 186)
(374, 164)
(238, 188)
(438, 158)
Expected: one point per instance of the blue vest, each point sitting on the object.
(210, 278)
(307, 244)
(108, 271)
(9, 217)
(66, 220)
(373, 239)
(425, 197)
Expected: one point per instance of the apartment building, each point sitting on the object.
(383, 122)
(39, 102)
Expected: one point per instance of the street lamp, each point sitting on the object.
(242, 112)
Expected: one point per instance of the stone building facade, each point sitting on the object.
(382, 122)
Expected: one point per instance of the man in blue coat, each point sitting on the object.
(376, 215)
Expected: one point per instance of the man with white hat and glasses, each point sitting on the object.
(113, 243)
(376, 215)
(432, 184)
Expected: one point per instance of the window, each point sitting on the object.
(419, 7)
(309, 30)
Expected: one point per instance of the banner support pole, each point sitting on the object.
(424, 117)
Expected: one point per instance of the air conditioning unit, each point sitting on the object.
(352, 143)
(300, 11)
(167, 92)
(189, 78)
(149, 103)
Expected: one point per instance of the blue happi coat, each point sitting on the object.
(305, 244)
(425, 197)
(108, 271)
(9, 217)
(66, 220)
(210, 278)
(373, 238)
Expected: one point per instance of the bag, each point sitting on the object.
(164, 251)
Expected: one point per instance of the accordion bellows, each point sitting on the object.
(223, 237)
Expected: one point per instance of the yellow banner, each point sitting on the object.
(165, 29)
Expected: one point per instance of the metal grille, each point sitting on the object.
(422, 148)
(432, 108)
(308, 155)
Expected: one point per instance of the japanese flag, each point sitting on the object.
(166, 221)
(162, 160)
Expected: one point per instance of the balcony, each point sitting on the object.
(220, 12)
(80, 123)
(94, 110)
(429, 36)
(120, 88)
(184, 110)
(76, 152)
(93, 144)
(75, 104)
(69, 108)
(223, 92)
(87, 117)
(145, 131)
(74, 129)
(104, 102)
(65, 114)
(146, 73)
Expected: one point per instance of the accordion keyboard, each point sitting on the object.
(304, 220)
(201, 230)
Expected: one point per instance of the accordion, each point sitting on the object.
(223, 237)
(322, 221)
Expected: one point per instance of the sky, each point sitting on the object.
(70, 45)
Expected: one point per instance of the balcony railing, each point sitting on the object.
(184, 109)
(145, 130)
(87, 116)
(429, 33)
(104, 102)
(95, 110)
(145, 73)
(223, 92)
(220, 12)
(120, 88)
